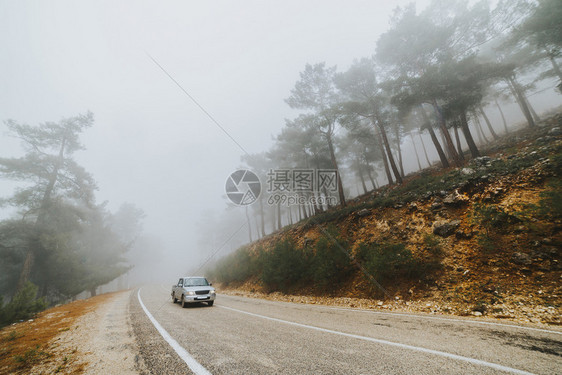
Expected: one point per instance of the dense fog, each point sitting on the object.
(169, 98)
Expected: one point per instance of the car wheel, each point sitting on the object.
(210, 303)
(183, 303)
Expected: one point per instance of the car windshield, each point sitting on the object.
(195, 281)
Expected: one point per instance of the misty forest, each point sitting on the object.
(435, 75)
(429, 90)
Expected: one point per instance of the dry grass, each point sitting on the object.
(34, 343)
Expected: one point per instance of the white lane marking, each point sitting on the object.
(445, 319)
(391, 343)
(193, 365)
(422, 317)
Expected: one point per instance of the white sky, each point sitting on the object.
(150, 144)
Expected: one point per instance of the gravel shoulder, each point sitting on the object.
(109, 346)
(92, 336)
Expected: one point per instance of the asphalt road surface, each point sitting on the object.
(250, 336)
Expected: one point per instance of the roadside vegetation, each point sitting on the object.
(480, 238)
(23, 306)
(60, 242)
(433, 81)
(326, 265)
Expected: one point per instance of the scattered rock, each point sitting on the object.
(521, 258)
(476, 313)
(482, 161)
(504, 316)
(446, 228)
(489, 289)
(464, 235)
(546, 241)
(467, 171)
(436, 206)
(544, 140)
(555, 131)
(455, 199)
(364, 212)
(427, 195)
(487, 197)
(520, 228)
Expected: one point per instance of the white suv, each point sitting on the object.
(192, 289)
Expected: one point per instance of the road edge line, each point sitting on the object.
(451, 319)
(406, 314)
(391, 343)
(191, 362)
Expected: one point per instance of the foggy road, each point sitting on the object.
(250, 336)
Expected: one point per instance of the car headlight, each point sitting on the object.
(190, 293)
(213, 292)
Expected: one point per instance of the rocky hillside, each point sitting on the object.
(484, 239)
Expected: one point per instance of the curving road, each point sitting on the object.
(250, 336)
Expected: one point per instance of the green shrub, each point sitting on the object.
(433, 244)
(550, 203)
(486, 243)
(331, 265)
(23, 306)
(30, 357)
(385, 261)
(236, 267)
(284, 266)
(491, 216)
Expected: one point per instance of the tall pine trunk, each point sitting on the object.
(328, 205)
(391, 160)
(290, 214)
(479, 128)
(398, 142)
(279, 223)
(442, 157)
(371, 178)
(335, 164)
(416, 151)
(363, 184)
(458, 139)
(262, 217)
(468, 137)
(384, 158)
(502, 115)
(424, 150)
(249, 225)
(257, 226)
(445, 132)
(517, 92)
(532, 109)
(555, 66)
(488, 123)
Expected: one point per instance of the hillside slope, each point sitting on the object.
(480, 240)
